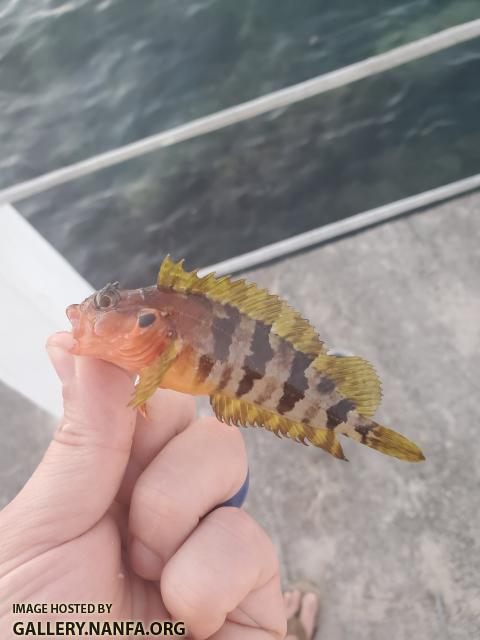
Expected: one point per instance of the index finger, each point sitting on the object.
(169, 413)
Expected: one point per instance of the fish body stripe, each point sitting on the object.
(364, 431)
(268, 391)
(325, 385)
(204, 368)
(223, 330)
(245, 360)
(239, 349)
(320, 395)
(296, 385)
(338, 413)
(255, 363)
(224, 377)
(213, 350)
(261, 351)
(246, 383)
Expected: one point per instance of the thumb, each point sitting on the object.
(80, 474)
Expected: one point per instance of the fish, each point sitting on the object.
(258, 360)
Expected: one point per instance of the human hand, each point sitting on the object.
(119, 511)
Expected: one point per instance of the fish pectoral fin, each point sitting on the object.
(244, 414)
(355, 378)
(150, 377)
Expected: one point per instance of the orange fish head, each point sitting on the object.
(118, 326)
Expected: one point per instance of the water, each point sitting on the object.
(78, 78)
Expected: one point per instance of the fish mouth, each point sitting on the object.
(73, 314)
(78, 329)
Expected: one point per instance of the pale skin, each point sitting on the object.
(119, 511)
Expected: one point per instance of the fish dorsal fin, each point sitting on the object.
(243, 414)
(247, 298)
(355, 378)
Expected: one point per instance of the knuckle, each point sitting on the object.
(239, 525)
(150, 499)
(80, 431)
(248, 535)
(73, 432)
(180, 596)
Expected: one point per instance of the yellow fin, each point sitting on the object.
(243, 414)
(385, 440)
(355, 378)
(394, 444)
(151, 376)
(247, 298)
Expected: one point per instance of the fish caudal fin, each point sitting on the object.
(382, 439)
(358, 383)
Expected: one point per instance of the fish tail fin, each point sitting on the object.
(378, 437)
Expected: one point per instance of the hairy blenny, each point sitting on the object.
(260, 362)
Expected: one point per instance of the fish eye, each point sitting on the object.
(146, 319)
(104, 301)
(107, 298)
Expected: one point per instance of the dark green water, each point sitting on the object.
(82, 77)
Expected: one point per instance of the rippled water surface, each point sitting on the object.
(78, 78)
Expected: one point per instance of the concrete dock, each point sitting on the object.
(392, 546)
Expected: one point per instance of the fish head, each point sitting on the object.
(118, 326)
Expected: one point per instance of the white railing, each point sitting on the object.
(245, 111)
(37, 283)
(343, 227)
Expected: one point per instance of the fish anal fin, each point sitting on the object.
(257, 303)
(151, 376)
(355, 378)
(240, 413)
